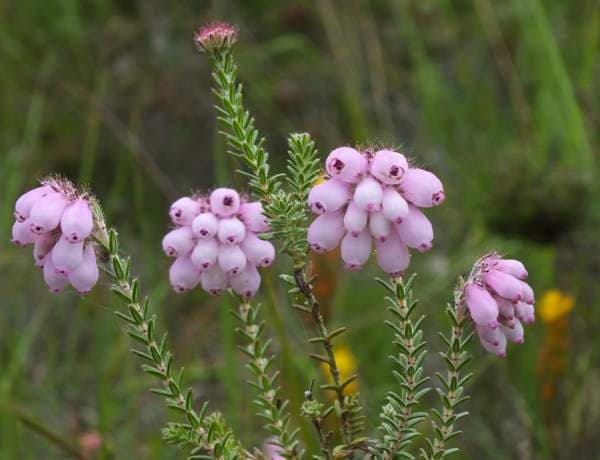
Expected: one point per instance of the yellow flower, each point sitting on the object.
(346, 364)
(555, 304)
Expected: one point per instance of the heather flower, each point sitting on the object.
(373, 196)
(216, 243)
(58, 220)
(499, 302)
(216, 36)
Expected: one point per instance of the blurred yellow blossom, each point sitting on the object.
(555, 304)
(346, 363)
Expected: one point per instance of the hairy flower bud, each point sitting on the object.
(389, 166)
(355, 219)
(422, 188)
(392, 255)
(85, 276)
(346, 164)
(394, 207)
(512, 267)
(368, 194)
(326, 231)
(525, 312)
(515, 333)
(232, 259)
(77, 221)
(246, 283)
(21, 233)
(490, 334)
(482, 306)
(184, 210)
(415, 230)
(216, 36)
(183, 274)
(499, 349)
(55, 280)
(329, 196)
(504, 285)
(45, 214)
(355, 250)
(205, 252)
(231, 231)
(66, 256)
(214, 280)
(205, 225)
(26, 201)
(178, 242)
(379, 226)
(259, 252)
(527, 293)
(224, 202)
(42, 247)
(251, 214)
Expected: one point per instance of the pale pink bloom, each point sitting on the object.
(499, 349)
(42, 247)
(246, 283)
(224, 202)
(183, 274)
(251, 214)
(505, 307)
(66, 256)
(85, 276)
(379, 226)
(56, 281)
(271, 450)
(355, 250)
(326, 231)
(368, 194)
(231, 231)
(205, 225)
(329, 196)
(422, 188)
(77, 221)
(232, 259)
(392, 255)
(394, 207)
(259, 252)
(178, 242)
(503, 284)
(214, 280)
(21, 233)
(512, 267)
(389, 166)
(26, 201)
(205, 252)
(184, 210)
(481, 304)
(527, 293)
(355, 219)
(525, 312)
(346, 164)
(415, 230)
(514, 333)
(490, 334)
(46, 212)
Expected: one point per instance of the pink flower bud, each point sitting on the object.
(527, 293)
(355, 219)
(524, 312)
(415, 230)
(77, 221)
(388, 166)
(251, 214)
(490, 334)
(224, 202)
(368, 194)
(356, 250)
(46, 212)
(514, 334)
(214, 280)
(392, 255)
(205, 225)
(379, 226)
(231, 231)
(42, 247)
(482, 306)
(329, 196)
(326, 231)
(231, 259)
(422, 188)
(395, 208)
(21, 233)
(66, 256)
(259, 252)
(505, 308)
(26, 201)
(183, 275)
(346, 164)
(205, 253)
(184, 210)
(56, 281)
(246, 283)
(512, 267)
(178, 242)
(503, 284)
(499, 349)
(85, 276)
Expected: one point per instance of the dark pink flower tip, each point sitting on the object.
(215, 36)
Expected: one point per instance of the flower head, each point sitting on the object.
(373, 196)
(59, 220)
(215, 243)
(216, 36)
(499, 301)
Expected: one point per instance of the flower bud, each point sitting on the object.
(216, 37)
(178, 242)
(184, 210)
(85, 276)
(499, 349)
(490, 334)
(379, 226)
(514, 334)
(326, 232)
(259, 252)
(422, 188)
(524, 312)
(394, 207)
(482, 306)
(527, 293)
(503, 284)
(42, 247)
(214, 280)
(231, 231)
(329, 196)
(505, 307)
(66, 256)
(224, 202)
(21, 233)
(231, 259)
(355, 219)
(356, 250)
(205, 225)
(77, 221)
(26, 201)
(56, 281)
(204, 254)
(415, 230)
(392, 255)
(46, 212)
(183, 275)
(368, 194)
(389, 166)
(251, 214)
(512, 267)
(246, 283)
(346, 164)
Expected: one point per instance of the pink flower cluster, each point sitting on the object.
(499, 301)
(58, 221)
(216, 243)
(373, 196)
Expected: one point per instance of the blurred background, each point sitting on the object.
(499, 98)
